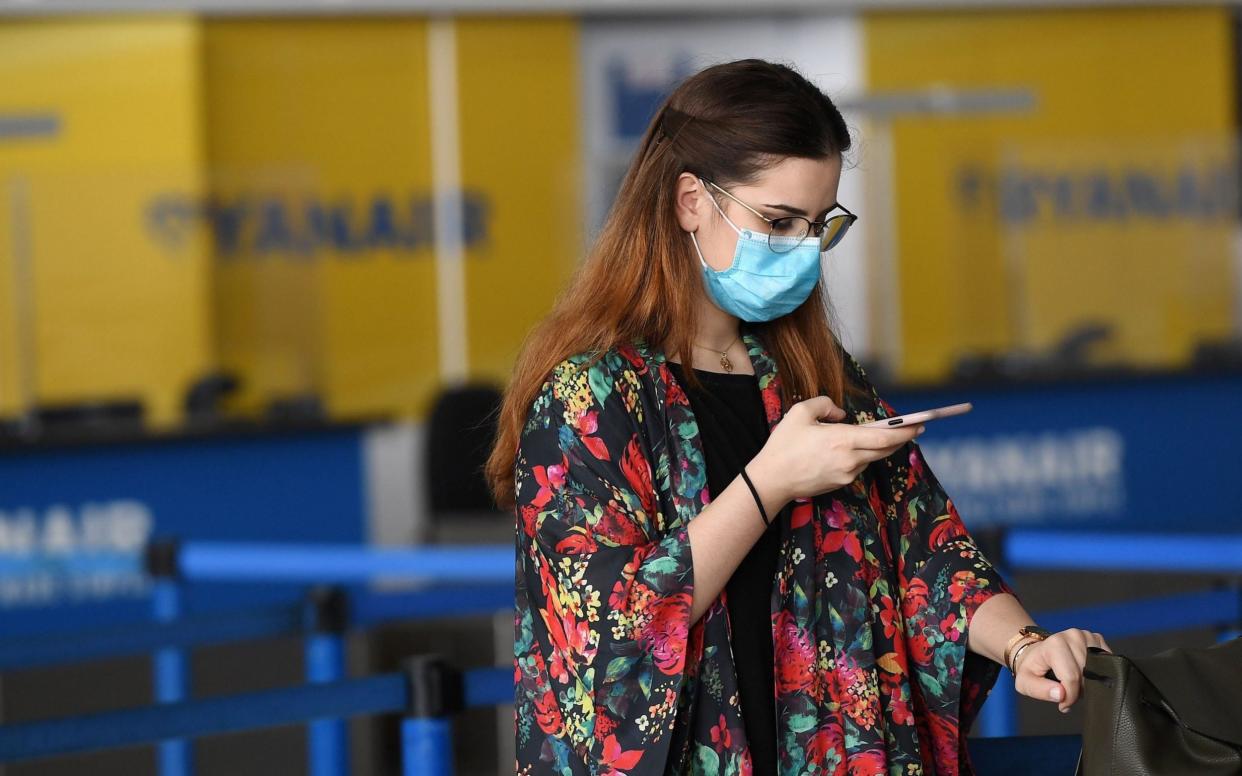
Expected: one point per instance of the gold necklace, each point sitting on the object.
(725, 363)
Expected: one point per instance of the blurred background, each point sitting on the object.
(265, 266)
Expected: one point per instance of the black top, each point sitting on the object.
(733, 428)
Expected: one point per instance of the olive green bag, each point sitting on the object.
(1178, 712)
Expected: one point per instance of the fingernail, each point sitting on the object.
(1055, 693)
(1065, 709)
(921, 430)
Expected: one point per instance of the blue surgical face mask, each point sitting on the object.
(762, 284)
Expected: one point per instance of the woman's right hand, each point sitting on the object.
(804, 457)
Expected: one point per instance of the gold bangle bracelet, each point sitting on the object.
(1013, 642)
(1013, 669)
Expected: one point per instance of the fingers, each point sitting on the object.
(1039, 687)
(1096, 640)
(1065, 653)
(885, 440)
(820, 408)
(1030, 680)
(1067, 656)
(1068, 667)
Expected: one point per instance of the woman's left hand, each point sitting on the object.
(1065, 653)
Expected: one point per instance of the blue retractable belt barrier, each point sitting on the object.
(1105, 551)
(374, 695)
(31, 651)
(201, 561)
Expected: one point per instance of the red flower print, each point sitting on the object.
(618, 527)
(915, 600)
(944, 529)
(917, 473)
(963, 582)
(901, 712)
(772, 403)
(838, 516)
(842, 539)
(528, 513)
(874, 499)
(801, 514)
(946, 627)
(577, 543)
(944, 742)
(868, 763)
(550, 478)
(629, 353)
(720, 734)
(588, 423)
(920, 650)
(637, 471)
(794, 654)
(667, 631)
(826, 739)
(597, 447)
(604, 725)
(547, 713)
(673, 395)
(617, 759)
(621, 594)
(556, 668)
(747, 764)
(888, 616)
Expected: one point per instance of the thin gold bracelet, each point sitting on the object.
(1014, 668)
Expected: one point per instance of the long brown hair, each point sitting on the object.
(640, 279)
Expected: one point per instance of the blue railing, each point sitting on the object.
(327, 614)
(330, 611)
(427, 693)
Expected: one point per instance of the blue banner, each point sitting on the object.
(1143, 453)
(75, 520)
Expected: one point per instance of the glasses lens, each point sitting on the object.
(834, 230)
(788, 233)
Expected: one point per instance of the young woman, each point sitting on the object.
(718, 571)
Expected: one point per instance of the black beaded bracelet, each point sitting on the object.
(762, 512)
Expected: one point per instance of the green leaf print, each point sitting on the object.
(706, 760)
(601, 386)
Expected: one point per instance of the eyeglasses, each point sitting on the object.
(828, 231)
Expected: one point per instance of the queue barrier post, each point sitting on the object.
(437, 691)
(327, 615)
(169, 665)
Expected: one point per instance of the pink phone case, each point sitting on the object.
(920, 417)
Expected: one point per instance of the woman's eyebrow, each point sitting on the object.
(798, 211)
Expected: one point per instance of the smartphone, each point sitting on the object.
(920, 417)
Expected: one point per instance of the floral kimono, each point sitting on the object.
(875, 585)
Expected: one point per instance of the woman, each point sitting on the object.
(715, 575)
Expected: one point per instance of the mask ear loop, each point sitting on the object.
(697, 250)
(716, 205)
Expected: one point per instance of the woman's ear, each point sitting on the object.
(688, 201)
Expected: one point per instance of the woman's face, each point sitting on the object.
(793, 186)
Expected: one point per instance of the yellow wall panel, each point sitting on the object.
(521, 151)
(113, 312)
(318, 137)
(1122, 95)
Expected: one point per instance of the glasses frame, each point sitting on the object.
(818, 227)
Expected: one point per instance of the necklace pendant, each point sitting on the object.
(725, 363)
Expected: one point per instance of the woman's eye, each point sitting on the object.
(785, 226)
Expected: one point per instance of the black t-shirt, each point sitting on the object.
(733, 428)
